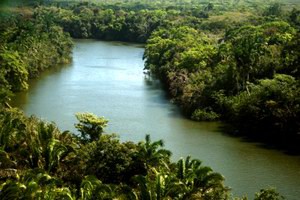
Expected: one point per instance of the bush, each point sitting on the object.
(204, 115)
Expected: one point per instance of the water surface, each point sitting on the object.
(106, 78)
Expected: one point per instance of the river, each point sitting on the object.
(106, 78)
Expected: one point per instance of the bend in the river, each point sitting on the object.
(107, 78)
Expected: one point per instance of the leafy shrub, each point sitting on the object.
(204, 115)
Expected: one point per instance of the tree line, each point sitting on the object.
(248, 77)
(29, 45)
(218, 62)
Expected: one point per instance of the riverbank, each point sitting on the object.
(192, 82)
(209, 80)
(135, 105)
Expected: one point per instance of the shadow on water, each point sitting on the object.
(152, 82)
(112, 43)
(259, 138)
(21, 98)
(265, 139)
(154, 85)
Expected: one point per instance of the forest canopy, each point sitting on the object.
(236, 61)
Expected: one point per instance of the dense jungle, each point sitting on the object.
(225, 60)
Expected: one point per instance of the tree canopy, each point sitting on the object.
(236, 61)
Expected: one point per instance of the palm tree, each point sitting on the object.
(7, 166)
(153, 154)
(200, 180)
(35, 184)
(143, 191)
(158, 185)
(11, 128)
(45, 146)
(93, 188)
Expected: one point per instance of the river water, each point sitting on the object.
(106, 78)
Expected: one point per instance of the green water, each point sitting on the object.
(107, 78)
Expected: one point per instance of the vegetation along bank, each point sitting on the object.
(244, 71)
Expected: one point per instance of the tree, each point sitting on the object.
(272, 104)
(201, 181)
(14, 74)
(92, 188)
(159, 185)
(254, 51)
(152, 153)
(90, 126)
(295, 17)
(268, 194)
(35, 184)
(290, 56)
(108, 159)
(274, 9)
(12, 125)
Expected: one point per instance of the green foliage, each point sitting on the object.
(12, 126)
(274, 9)
(268, 194)
(36, 163)
(201, 180)
(85, 21)
(245, 71)
(213, 79)
(254, 51)
(31, 143)
(90, 126)
(203, 115)
(152, 153)
(35, 184)
(93, 188)
(273, 103)
(294, 17)
(291, 57)
(108, 158)
(27, 47)
(13, 72)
